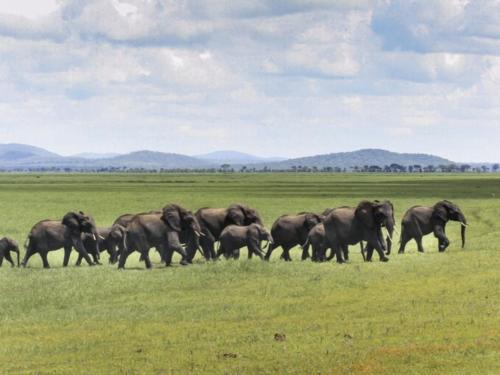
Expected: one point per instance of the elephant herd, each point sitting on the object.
(176, 229)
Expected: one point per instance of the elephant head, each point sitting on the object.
(78, 223)
(445, 211)
(178, 219)
(311, 220)
(264, 234)
(241, 215)
(373, 216)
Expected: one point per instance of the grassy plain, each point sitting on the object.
(432, 313)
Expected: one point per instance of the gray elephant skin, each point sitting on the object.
(109, 239)
(8, 245)
(162, 231)
(350, 225)
(419, 221)
(214, 220)
(49, 235)
(319, 244)
(289, 231)
(234, 237)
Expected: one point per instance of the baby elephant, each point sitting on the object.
(6, 246)
(234, 237)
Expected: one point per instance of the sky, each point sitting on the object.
(268, 77)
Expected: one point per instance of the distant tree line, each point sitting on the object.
(226, 168)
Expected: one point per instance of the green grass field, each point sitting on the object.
(432, 313)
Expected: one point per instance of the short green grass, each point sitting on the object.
(432, 313)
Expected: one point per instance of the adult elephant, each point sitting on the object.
(214, 220)
(109, 239)
(289, 231)
(419, 221)
(346, 226)
(163, 231)
(48, 235)
(124, 220)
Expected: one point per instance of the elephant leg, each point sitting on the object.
(286, 254)
(77, 243)
(169, 252)
(404, 240)
(235, 254)
(27, 256)
(332, 254)
(362, 251)
(67, 253)
(43, 255)
(9, 259)
(269, 252)
(418, 240)
(345, 252)
(255, 249)
(79, 260)
(381, 255)
(123, 257)
(369, 252)
(440, 234)
(305, 252)
(147, 260)
(1, 259)
(338, 253)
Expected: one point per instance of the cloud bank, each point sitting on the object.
(286, 78)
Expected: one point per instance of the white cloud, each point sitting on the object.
(279, 78)
(28, 8)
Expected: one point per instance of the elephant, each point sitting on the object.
(289, 231)
(109, 240)
(319, 243)
(6, 246)
(48, 235)
(234, 237)
(214, 220)
(163, 231)
(346, 226)
(419, 221)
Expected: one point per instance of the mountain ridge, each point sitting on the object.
(15, 156)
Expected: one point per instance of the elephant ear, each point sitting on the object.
(235, 215)
(310, 221)
(440, 212)
(172, 218)
(364, 213)
(72, 221)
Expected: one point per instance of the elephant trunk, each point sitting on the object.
(463, 222)
(97, 237)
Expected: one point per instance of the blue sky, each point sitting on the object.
(274, 78)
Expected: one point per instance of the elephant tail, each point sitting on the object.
(27, 242)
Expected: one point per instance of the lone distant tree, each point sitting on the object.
(225, 167)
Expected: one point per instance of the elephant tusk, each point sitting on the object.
(463, 224)
(199, 234)
(94, 237)
(101, 237)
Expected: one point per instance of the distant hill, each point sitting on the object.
(16, 151)
(234, 157)
(23, 157)
(153, 160)
(359, 158)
